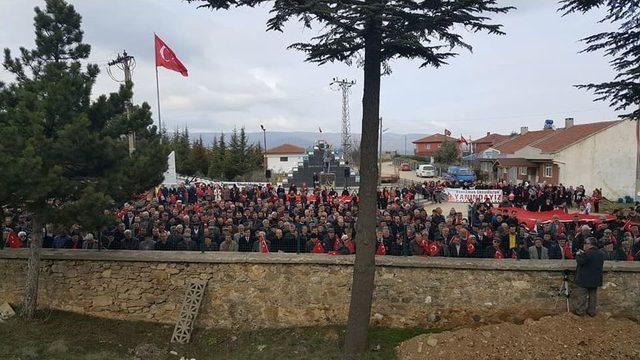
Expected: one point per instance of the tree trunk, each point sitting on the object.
(33, 270)
(364, 267)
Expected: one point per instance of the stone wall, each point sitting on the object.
(256, 291)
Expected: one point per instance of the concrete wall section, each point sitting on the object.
(606, 160)
(247, 291)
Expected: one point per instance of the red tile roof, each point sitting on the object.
(518, 142)
(435, 138)
(285, 149)
(491, 139)
(566, 137)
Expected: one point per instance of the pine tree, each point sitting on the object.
(181, 143)
(447, 153)
(218, 162)
(623, 46)
(243, 163)
(199, 158)
(234, 157)
(63, 159)
(383, 30)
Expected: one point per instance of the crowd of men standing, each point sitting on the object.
(261, 218)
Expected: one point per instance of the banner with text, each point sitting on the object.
(465, 196)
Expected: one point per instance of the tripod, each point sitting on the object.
(564, 288)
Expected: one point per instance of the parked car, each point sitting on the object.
(426, 170)
(460, 174)
(405, 167)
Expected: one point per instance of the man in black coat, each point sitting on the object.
(588, 277)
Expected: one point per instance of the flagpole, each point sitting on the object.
(158, 97)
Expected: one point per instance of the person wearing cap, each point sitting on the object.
(589, 269)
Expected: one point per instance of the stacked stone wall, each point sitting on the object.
(248, 291)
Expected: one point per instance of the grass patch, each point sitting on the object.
(61, 335)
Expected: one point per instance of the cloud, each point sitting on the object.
(240, 75)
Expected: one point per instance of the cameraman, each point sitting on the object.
(588, 277)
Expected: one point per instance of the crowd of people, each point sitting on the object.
(533, 197)
(266, 218)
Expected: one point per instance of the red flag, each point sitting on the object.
(13, 241)
(434, 249)
(498, 254)
(318, 248)
(165, 57)
(447, 132)
(470, 248)
(568, 254)
(381, 249)
(264, 248)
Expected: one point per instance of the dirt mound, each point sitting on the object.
(553, 337)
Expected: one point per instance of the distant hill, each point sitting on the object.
(391, 141)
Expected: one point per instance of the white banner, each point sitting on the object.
(465, 196)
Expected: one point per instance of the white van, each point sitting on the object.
(426, 170)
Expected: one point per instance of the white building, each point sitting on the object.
(282, 159)
(599, 155)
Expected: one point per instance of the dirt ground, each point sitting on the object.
(553, 337)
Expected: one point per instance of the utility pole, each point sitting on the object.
(344, 85)
(126, 63)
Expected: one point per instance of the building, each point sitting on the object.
(596, 155)
(282, 159)
(429, 145)
(482, 144)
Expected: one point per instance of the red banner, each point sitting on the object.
(529, 218)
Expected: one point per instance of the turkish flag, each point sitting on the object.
(434, 249)
(165, 57)
(264, 247)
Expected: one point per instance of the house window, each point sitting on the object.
(284, 158)
(428, 146)
(523, 170)
(548, 171)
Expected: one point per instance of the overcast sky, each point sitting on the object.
(240, 75)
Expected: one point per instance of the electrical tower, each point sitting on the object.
(347, 146)
(126, 63)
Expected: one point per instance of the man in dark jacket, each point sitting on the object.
(588, 277)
